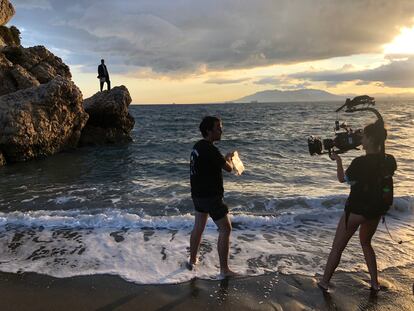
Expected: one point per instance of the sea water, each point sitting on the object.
(126, 210)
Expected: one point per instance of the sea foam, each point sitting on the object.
(153, 249)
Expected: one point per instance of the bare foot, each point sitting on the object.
(229, 274)
(191, 265)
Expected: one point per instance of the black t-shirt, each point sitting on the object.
(206, 175)
(370, 177)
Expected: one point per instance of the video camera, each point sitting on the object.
(345, 137)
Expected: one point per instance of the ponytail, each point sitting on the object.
(377, 133)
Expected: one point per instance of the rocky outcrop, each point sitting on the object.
(41, 109)
(2, 160)
(9, 36)
(6, 12)
(21, 68)
(109, 120)
(41, 121)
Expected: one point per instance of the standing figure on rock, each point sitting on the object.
(103, 75)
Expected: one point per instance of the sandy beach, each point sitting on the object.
(350, 291)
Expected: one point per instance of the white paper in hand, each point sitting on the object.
(238, 167)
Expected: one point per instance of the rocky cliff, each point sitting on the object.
(109, 120)
(41, 121)
(42, 111)
(6, 11)
(21, 68)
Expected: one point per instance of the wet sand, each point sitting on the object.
(30, 291)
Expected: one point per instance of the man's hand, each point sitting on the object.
(229, 156)
(228, 166)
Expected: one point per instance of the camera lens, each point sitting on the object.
(314, 145)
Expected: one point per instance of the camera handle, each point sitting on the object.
(363, 100)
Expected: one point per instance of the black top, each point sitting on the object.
(370, 177)
(206, 176)
(103, 71)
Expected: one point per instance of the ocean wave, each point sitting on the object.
(277, 212)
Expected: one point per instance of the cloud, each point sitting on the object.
(270, 81)
(284, 82)
(31, 4)
(226, 81)
(297, 86)
(187, 36)
(398, 73)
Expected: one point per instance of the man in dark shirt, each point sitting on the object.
(103, 75)
(207, 191)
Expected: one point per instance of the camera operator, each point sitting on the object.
(370, 177)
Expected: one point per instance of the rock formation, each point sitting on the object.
(109, 120)
(41, 121)
(6, 12)
(9, 36)
(22, 68)
(41, 109)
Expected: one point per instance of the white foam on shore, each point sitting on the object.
(152, 250)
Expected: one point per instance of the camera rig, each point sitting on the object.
(348, 138)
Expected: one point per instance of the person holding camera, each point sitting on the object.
(207, 190)
(370, 177)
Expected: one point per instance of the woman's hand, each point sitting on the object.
(339, 169)
(335, 157)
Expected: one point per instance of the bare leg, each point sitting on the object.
(223, 245)
(342, 236)
(366, 232)
(199, 225)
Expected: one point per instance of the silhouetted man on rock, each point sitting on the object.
(103, 75)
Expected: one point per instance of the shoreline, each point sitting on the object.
(350, 291)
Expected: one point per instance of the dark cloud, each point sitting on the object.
(187, 35)
(399, 73)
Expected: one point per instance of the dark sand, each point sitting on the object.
(31, 291)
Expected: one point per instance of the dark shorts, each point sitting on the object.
(365, 211)
(214, 206)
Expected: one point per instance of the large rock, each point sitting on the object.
(22, 68)
(109, 120)
(41, 121)
(6, 12)
(2, 159)
(9, 36)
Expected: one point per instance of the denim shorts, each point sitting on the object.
(214, 206)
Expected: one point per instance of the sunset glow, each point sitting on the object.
(402, 44)
(200, 52)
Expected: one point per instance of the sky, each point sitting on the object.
(194, 51)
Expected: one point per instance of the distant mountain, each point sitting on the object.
(303, 95)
